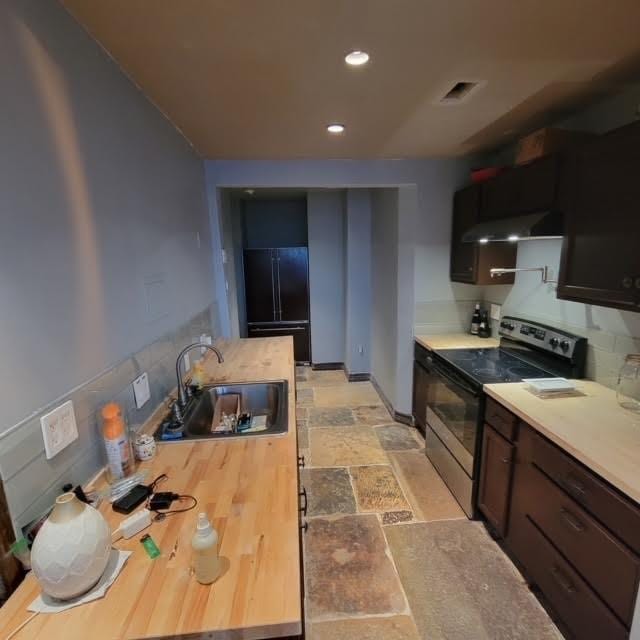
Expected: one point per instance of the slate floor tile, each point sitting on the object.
(397, 437)
(428, 495)
(372, 415)
(329, 491)
(348, 570)
(345, 447)
(390, 628)
(460, 585)
(331, 417)
(377, 489)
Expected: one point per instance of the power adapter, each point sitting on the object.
(162, 500)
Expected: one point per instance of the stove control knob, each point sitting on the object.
(564, 345)
(554, 342)
(507, 325)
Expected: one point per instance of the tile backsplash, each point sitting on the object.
(31, 481)
(444, 316)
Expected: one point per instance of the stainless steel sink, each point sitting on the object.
(269, 399)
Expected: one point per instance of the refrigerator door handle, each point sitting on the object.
(279, 299)
(273, 288)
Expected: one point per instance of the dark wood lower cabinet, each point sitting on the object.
(574, 536)
(495, 478)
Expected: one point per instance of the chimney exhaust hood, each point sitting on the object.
(534, 226)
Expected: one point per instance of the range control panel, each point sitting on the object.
(552, 340)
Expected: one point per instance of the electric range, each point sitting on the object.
(452, 388)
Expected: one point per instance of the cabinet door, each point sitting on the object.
(293, 284)
(530, 188)
(259, 283)
(420, 385)
(539, 182)
(495, 478)
(600, 257)
(500, 196)
(464, 255)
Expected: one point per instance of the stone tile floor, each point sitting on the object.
(389, 554)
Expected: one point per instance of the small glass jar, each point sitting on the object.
(628, 391)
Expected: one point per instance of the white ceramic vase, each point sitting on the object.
(71, 550)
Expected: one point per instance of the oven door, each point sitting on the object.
(453, 428)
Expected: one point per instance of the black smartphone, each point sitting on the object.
(131, 500)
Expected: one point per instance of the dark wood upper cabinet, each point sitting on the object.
(600, 254)
(527, 189)
(496, 469)
(470, 262)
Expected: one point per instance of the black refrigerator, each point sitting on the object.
(277, 296)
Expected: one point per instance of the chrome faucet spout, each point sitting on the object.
(182, 392)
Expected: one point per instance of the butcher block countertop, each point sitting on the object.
(249, 488)
(593, 428)
(456, 341)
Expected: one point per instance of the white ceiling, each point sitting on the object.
(261, 79)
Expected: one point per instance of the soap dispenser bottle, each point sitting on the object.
(205, 551)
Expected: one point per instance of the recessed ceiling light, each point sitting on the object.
(513, 238)
(335, 127)
(249, 192)
(357, 58)
(483, 240)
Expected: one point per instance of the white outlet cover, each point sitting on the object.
(59, 429)
(495, 311)
(141, 390)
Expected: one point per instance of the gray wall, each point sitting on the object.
(325, 214)
(384, 283)
(358, 281)
(105, 243)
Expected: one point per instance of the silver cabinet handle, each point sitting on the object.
(278, 329)
(279, 299)
(627, 282)
(273, 288)
(638, 283)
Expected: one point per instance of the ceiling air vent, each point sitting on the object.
(460, 91)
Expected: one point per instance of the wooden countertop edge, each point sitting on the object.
(565, 445)
(460, 341)
(276, 630)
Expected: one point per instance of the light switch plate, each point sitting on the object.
(186, 362)
(141, 390)
(59, 429)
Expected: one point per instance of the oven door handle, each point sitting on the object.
(457, 382)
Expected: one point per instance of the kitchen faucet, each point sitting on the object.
(182, 393)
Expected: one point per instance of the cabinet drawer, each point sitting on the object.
(609, 567)
(501, 419)
(617, 513)
(574, 601)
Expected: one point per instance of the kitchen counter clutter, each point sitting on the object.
(456, 341)
(592, 427)
(248, 487)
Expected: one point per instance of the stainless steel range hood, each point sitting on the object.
(547, 224)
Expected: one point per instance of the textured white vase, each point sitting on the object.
(71, 550)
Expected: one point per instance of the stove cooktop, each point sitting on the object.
(486, 366)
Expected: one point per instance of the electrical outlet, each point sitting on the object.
(141, 390)
(360, 349)
(186, 362)
(224, 256)
(495, 311)
(59, 429)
